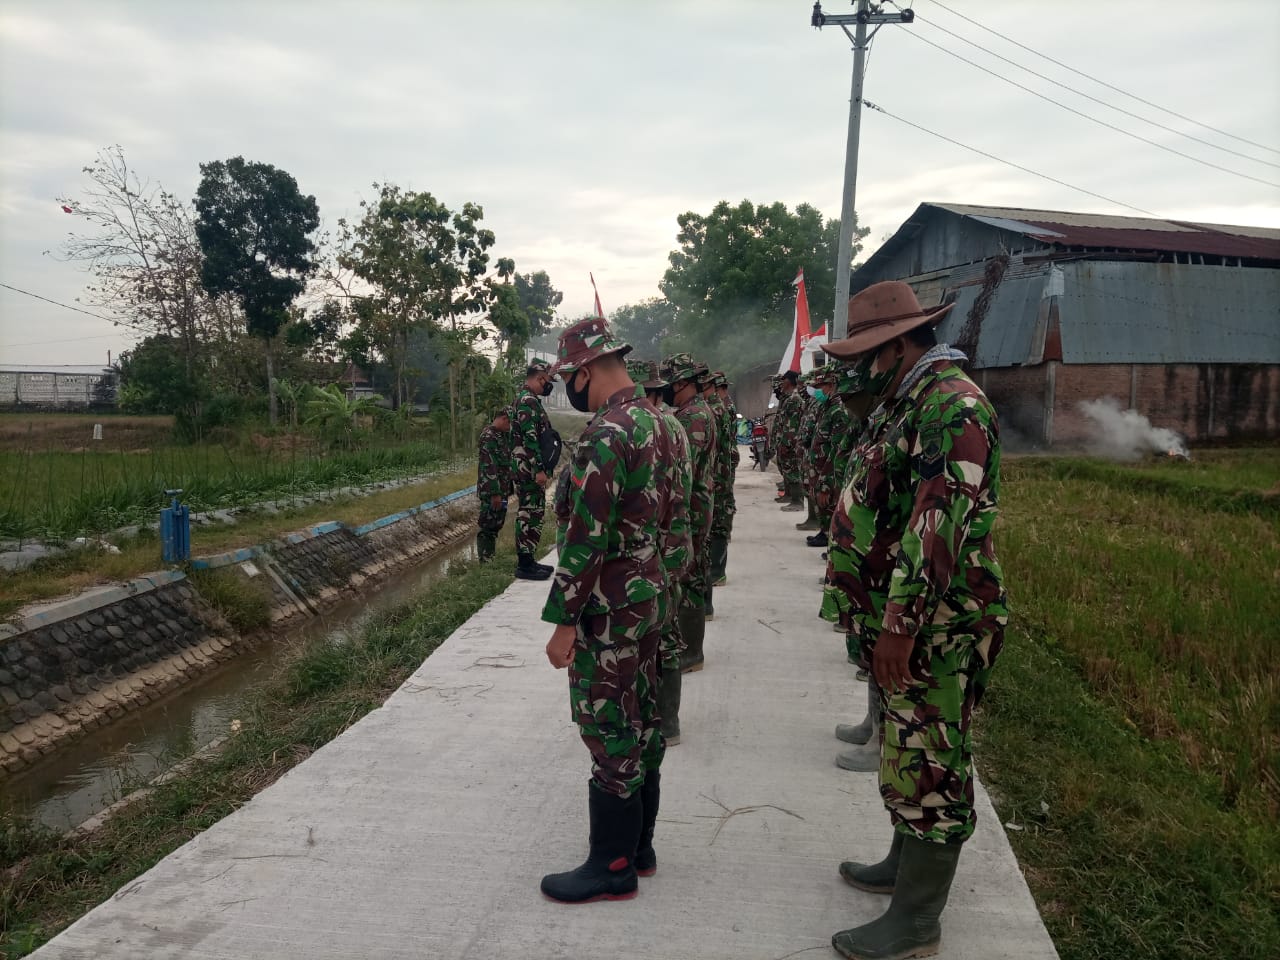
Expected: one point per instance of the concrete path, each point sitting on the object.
(423, 831)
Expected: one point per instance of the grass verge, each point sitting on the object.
(47, 881)
(1137, 697)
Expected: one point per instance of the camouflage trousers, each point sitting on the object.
(788, 465)
(672, 644)
(613, 690)
(489, 525)
(533, 504)
(926, 756)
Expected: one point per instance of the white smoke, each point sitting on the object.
(1127, 434)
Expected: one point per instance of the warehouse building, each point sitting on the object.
(57, 387)
(1177, 320)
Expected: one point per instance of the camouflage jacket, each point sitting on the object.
(912, 550)
(619, 500)
(826, 463)
(804, 433)
(724, 455)
(495, 471)
(700, 430)
(677, 539)
(731, 421)
(782, 436)
(528, 421)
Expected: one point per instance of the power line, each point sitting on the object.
(41, 343)
(67, 306)
(991, 156)
(1087, 96)
(1080, 113)
(1109, 86)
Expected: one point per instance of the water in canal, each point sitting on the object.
(90, 774)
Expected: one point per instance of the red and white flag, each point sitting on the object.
(599, 309)
(798, 357)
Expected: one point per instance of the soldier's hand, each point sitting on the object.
(495, 503)
(560, 646)
(891, 661)
(540, 479)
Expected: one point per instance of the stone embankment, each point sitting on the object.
(78, 664)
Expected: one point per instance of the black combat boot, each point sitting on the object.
(646, 860)
(608, 873)
(819, 539)
(526, 569)
(910, 927)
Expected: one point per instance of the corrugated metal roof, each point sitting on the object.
(83, 370)
(1169, 313)
(1126, 233)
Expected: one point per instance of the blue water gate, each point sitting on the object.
(175, 529)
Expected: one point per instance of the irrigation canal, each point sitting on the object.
(95, 771)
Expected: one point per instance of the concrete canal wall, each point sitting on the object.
(81, 663)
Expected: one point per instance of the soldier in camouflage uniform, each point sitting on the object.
(608, 601)
(913, 571)
(677, 548)
(682, 373)
(726, 464)
(783, 436)
(830, 426)
(804, 446)
(495, 477)
(529, 421)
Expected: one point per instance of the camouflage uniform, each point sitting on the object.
(610, 580)
(726, 464)
(495, 477)
(911, 553)
(804, 439)
(528, 422)
(700, 430)
(783, 436)
(826, 463)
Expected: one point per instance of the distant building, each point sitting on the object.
(57, 387)
(1179, 321)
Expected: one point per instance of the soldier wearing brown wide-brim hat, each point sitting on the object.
(880, 313)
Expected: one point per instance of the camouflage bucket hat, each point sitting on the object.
(586, 340)
(851, 378)
(645, 373)
(682, 366)
(719, 379)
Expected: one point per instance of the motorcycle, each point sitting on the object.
(760, 443)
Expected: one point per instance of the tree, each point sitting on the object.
(254, 228)
(426, 267)
(154, 379)
(538, 299)
(145, 259)
(645, 325)
(731, 278)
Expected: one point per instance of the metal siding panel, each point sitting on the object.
(1115, 312)
(1005, 340)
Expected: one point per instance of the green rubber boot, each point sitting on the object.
(669, 705)
(693, 629)
(875, 877)
(811, 521)
(486, 545)
(910, 927)
(795, 500)
(860, 733)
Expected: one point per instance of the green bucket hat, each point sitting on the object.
(682, 366)
(586, 340)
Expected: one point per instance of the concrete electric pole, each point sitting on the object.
(868, 14)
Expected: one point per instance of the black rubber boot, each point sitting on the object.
(875, 877)
(646, 860)
(718, 555)
(693, 629)
(709, 608)
(669, 705)
(819, 539)
(608, 873)
(910, 927)
(526, 569)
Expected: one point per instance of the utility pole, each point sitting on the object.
(867, 14)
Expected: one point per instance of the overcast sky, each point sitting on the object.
(584, 128)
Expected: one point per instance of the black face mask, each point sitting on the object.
(547, 388)
(577, 398)
(669, 395)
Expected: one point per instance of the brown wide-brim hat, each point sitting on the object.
(880, 313)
